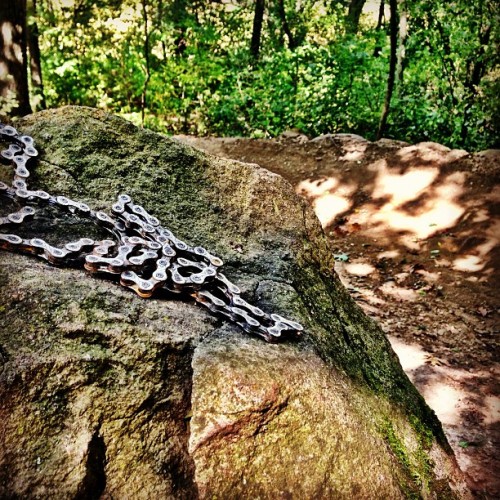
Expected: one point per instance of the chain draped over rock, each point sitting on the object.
(145, 256)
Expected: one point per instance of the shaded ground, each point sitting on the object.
(415, 232)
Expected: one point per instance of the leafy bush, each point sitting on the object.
(196, 75)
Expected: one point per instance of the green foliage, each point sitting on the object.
(202, 79)
(415, 463)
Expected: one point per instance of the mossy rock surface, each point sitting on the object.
(104, 394)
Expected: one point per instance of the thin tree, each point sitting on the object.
(380, 25)
(402, 34)
(393, 27)
(476, 65)
(146, 61)
(179, 18)
(292, 43)
(353, 15)
(14, 90)
(258, 19)
(380, 18)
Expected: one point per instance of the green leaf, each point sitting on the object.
(341, 257)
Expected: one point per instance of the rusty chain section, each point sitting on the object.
(143, 256)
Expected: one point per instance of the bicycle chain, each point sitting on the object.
(145, 257)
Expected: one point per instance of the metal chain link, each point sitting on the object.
(144, 256)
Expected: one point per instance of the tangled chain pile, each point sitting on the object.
(145, 256)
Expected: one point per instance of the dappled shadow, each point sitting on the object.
(412, 197)
(468, 406)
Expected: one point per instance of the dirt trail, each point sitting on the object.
(415, 233)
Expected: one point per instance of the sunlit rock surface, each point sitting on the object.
(104, 394)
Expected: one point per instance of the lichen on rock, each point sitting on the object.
(106, 394)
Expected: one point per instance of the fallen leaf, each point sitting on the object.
(483, 311)
(433, 361)
(339, 231)
(341, 257)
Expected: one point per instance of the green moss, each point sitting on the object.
(424, 433)
(416, 465)
(396, 445)
(93, 302)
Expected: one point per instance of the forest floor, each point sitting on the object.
(415, 233)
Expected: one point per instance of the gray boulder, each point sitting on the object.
(107, 395)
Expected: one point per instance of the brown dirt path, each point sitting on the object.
(415, 232)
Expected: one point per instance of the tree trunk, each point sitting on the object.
(292, 43)
(403, 32)
(476, 70)
(257, 28)
(380, 18)
(394, 23)
(146, 61)
(353, 15)
(35, 58)
(446, 56)
(380, 23)
(14, 91)
(178, 14)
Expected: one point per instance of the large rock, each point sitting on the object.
(104, 394)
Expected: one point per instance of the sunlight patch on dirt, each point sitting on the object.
(430, 152)
(444, 400)
(429, 276)
(312, 188)
(352, 156)
(413, 205)
(412, 201)
(438, 215)
(402, 187)
(400, 293)
(462, 401)
(388, 254)
(359, 268)
(468, 263)
(327, 204)
(411, 356)
(492, 410)
(354, 151)
(478, 254)
(482, 215)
